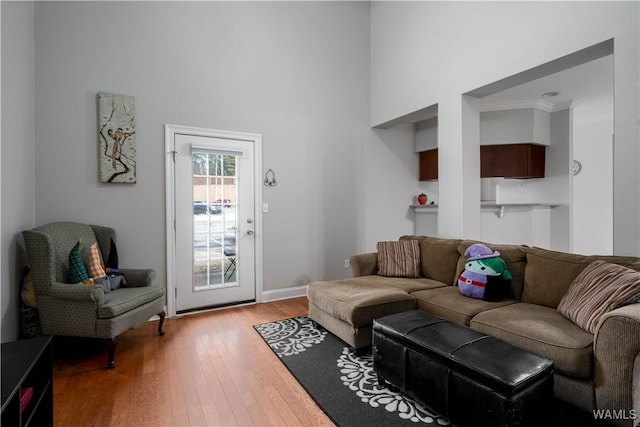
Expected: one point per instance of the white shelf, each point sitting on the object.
(490, 205)
(500, 208)
(425, 208)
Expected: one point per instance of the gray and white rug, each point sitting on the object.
(342, 383)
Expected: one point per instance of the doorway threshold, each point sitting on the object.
(216, 307)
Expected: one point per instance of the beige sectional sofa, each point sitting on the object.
(592, 371)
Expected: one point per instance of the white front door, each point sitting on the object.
(214, 221)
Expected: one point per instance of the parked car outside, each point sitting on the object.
(227, 202)
(215, 208)
(200, 208)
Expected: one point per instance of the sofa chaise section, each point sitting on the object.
(347, 307)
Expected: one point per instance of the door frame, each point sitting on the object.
(170, 131)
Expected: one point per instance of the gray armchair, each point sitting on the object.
(74, 309)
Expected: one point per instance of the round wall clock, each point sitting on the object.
(576, 166)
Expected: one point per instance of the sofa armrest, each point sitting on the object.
(76, 292)
(616, 349)
(138, 277)
(364, 264)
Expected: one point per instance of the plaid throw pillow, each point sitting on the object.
(598, 289)
(95, 262)
(77, 270)
(399, 259)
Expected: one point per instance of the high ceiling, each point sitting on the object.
(593, 79)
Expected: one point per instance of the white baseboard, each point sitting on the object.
(267, 296)
(286, 293)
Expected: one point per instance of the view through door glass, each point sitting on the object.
(215, 219)
(215, 208)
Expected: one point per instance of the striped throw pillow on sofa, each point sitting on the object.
(399, 259)
(598, 289)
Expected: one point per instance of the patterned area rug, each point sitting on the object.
(344, 385)
(341, 382)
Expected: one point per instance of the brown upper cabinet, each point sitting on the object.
(512, 161)
(429, 165)
(520, 161)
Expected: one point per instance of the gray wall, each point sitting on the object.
(295, 72)
(18, 178)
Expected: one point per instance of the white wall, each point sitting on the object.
(426, 134)
(592, 205)
(297, 73)
(18, 185)
(426, 53)
(387, 174)
(524, 125)
(558, 177)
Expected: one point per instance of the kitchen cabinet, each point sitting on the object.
(429, 165)
(512, 161)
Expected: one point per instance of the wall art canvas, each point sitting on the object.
(117, 137)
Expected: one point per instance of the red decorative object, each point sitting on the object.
(26, 394)
(422, 199)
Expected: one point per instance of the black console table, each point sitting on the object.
(27, 389)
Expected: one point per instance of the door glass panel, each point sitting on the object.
(215, 195)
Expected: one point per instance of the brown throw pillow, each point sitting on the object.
(399, 259)
(598, 289)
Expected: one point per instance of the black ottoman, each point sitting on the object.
(467, 376)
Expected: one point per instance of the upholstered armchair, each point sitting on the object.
(87, 310)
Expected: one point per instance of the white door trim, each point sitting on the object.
(169, 138)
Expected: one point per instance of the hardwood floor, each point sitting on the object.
(209, 369)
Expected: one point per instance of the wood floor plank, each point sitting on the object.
(209, 369)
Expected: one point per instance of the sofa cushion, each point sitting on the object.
(438, 258)
(549, 274)
(447, 302)
(404, 283)
(358, 302)
(513, 255)
(544, 331)
(399, 259)
(124, 299)
(626, 261)
(598, 289)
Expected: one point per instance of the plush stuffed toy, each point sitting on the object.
(485, 275)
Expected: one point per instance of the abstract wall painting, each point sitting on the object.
(117, 137)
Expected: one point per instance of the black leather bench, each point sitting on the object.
(467, 376)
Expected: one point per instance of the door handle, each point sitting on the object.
(250, 232)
